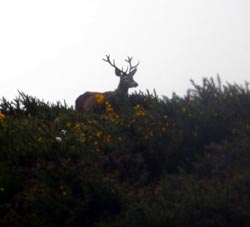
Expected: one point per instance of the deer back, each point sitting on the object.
(88, 100)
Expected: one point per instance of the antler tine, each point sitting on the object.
(136, 64)
(129, 60)
(107, 58)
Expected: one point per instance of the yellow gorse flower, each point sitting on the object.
(137, 107)
(109, 108)
(77, 126)
(2, 116)
(107, 138)
(139, 112)
(100, 98)
(68, 124)
(98, 134)
(83, 138)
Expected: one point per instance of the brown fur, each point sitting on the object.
(87, 101)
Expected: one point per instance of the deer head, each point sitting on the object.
(126, 77)
(87, 100)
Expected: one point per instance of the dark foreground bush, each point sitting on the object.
(135, 161)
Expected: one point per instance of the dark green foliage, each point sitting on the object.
(134, 161)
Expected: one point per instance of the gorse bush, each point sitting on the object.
(139, 160)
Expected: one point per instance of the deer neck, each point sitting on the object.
(122, 90)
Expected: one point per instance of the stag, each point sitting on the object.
(88, 100)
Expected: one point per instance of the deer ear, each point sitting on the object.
(133, 72)
(118, 72)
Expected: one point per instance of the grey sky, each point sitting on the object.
(52, 49)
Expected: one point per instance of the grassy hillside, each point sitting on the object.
(136, 161)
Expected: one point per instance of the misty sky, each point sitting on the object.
(52, 49)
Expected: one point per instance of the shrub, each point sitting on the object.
(139, 160)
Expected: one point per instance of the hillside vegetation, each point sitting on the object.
(135, 161)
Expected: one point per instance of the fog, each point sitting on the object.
(53, 49)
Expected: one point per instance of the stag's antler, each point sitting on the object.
(107, 59)
(131, 68)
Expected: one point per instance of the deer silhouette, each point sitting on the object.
(88, 100)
